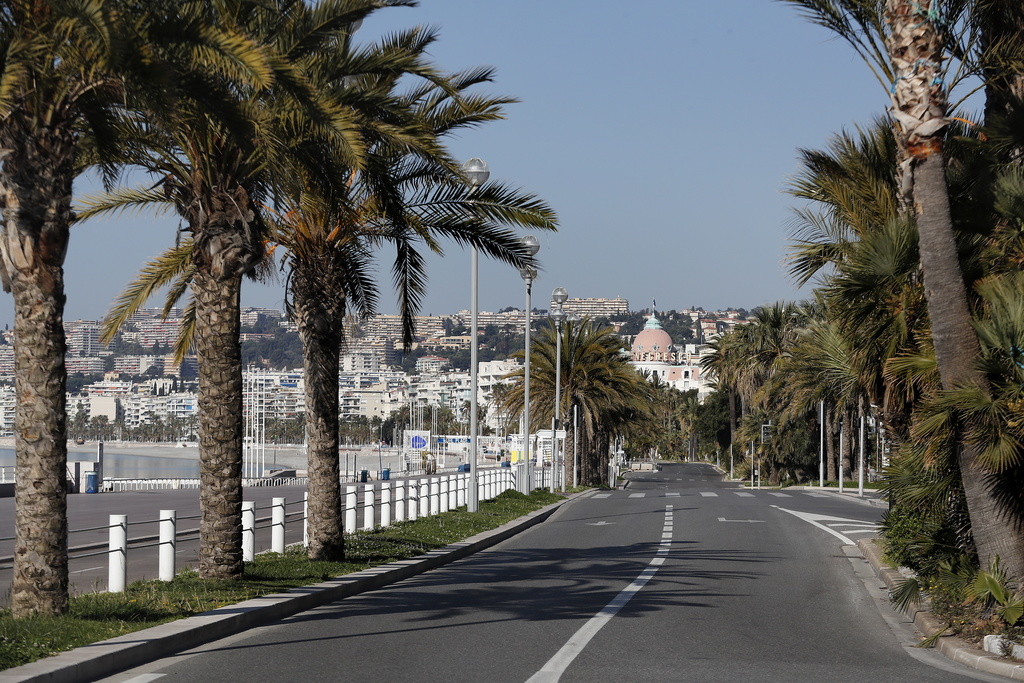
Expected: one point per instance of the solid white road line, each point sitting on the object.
(556, 666)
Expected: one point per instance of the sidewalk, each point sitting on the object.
(124, 652)
(952, 647)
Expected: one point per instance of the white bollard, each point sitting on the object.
(368, 506)
(442, 485)
(424, 497)
(168, 527)
(305, 518)
(277, 525)
(460, 489)
(248, 530)
(350, 509)
(453, 492)
(117, 556)
(399, 501)
(435, 500)
(385, 504)
(413, 507)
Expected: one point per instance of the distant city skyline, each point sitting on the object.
(663, 134)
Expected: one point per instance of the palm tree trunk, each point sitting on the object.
(920, 107)
(36, 199)
(319, 320)
(219, 356)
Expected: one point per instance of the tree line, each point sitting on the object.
(271, 131)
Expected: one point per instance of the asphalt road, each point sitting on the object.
(680, 577)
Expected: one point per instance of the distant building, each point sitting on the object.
(83, 337)
(597, 308)
(654, 354)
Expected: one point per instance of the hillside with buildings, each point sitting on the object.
(134, 388)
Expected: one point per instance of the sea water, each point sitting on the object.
(127, 465)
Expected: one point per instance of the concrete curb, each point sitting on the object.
(124, 652)
(952, 647)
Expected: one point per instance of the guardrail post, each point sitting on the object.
(399, 501)
(305, 518)
(168, 527)
(442, 489)
(385, 504)
(350, 509)
(117, 556)
(368, 506)
(413, 508)
(453, 492)
(435, 503)
(277, 525)
(460, 489)
(248, 530)
(485, 485)
(424, 498)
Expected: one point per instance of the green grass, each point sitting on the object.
(97, 616)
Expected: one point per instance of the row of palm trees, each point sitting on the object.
(265, 128)
(911, 233)
(602, 398)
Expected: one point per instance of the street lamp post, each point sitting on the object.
(557, 315)
(531, 245)
(476, 174)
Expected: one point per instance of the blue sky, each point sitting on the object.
(661, 131)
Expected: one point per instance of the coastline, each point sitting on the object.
(288, 455)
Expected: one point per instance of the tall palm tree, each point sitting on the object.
(215, 160)
(905, 40)
(69, 69)
(597, 381)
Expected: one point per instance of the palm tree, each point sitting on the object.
(69, 69)
(215, 160)
(597, 381)
(402, 198)
(904, 40)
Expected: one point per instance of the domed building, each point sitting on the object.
(654, 354)
(653, 344)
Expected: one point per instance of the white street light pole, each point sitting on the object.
(531, 245)
(557, 315)
(476, 173)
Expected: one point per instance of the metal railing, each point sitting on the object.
(399, 500)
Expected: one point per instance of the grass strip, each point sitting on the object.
(93, 617)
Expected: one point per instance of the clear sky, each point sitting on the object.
(661, 131)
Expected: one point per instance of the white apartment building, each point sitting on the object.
(597, 308)
(137, 409)
(83, 337)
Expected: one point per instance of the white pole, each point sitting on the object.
(443, 491)
(368, 506)
(305, 518)
(842, 432)
(117, 564)
(277, 525)
(248, 530)
(860, 469)
(413, 507)
(556, 416)
(385, 504)
(424, 497)
(821, 445)
(350, 509)
(400, 501)
(575, 446)
(528, 468)
(473, 504)
(435, 495)
(168, 526)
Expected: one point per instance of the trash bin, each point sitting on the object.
(364, 476)
(91, 482)
(385, 475)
